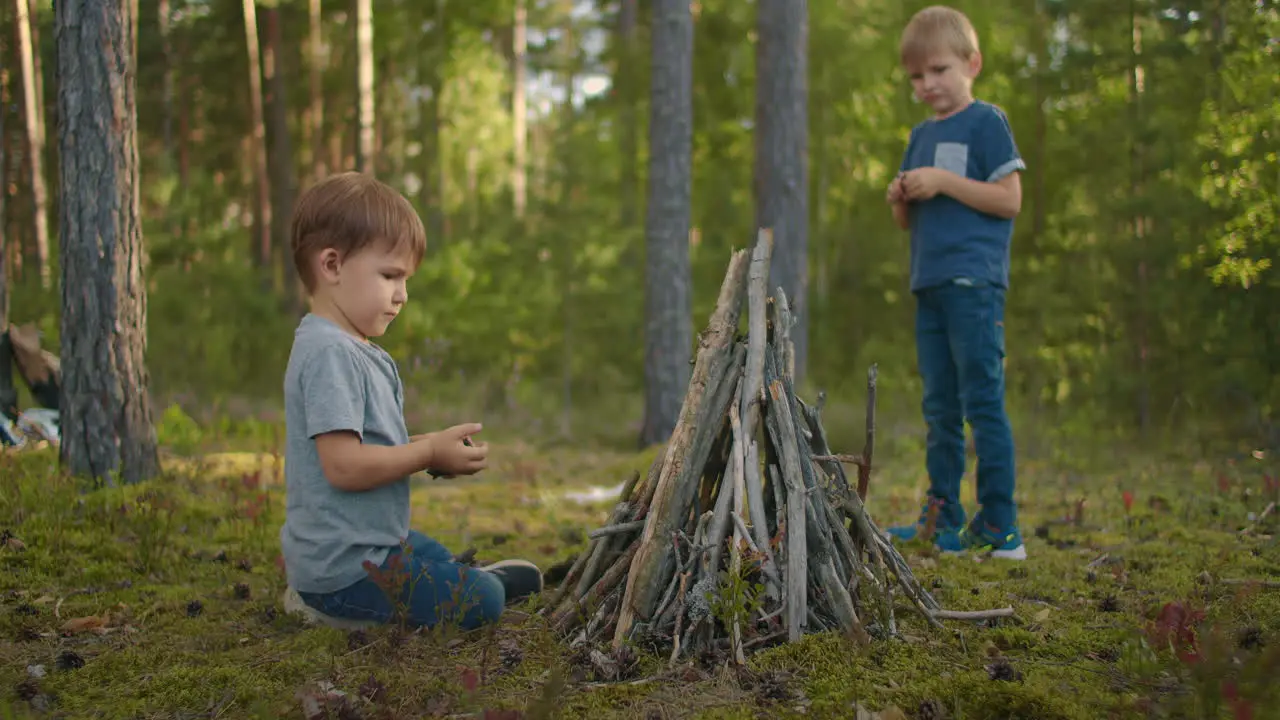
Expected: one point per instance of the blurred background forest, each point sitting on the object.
(1143, 300)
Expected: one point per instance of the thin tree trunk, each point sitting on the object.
(1137, 225)
(257, 144)
(568, 276)
(166, 53)
(364, 86)
(8, 391)
(626, 73)
(432, 169)
(781, 170)
(105, 406)
(668, 305)
(315, 117)
(35, 142)
(519, 112)
(280, 158)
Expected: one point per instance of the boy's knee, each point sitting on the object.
(487, 598)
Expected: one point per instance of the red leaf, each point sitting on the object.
(469, 679)
(1128, 500)
(1224, 483)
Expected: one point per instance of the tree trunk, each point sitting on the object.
(781, 170)
(519, 112)
(668, 306)
(626, 74)
(364, 86)
(1137, 220)
(567, 250)
(8, 392)
(280, 158)
(258, 143)
(104, 401)
(166, 53)
(315, 117)
(35, 141)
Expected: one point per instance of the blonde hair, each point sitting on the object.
(348, 212)
(935, 28)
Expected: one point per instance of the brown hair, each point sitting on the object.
(935, 28)
(348, 212)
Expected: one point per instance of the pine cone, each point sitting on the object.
(931, 709)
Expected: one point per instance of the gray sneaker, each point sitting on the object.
(520, 578)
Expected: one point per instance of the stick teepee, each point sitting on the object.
(746, 532)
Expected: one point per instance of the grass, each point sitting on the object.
(163, 601)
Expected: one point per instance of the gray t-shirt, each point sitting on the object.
(337, 382)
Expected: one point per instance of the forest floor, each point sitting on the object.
(163, 600)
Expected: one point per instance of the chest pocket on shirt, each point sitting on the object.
(952, 157)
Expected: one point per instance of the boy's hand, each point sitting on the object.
(453, 452)
(895, 193)
(924, 183)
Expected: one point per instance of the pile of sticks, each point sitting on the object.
(746, 532)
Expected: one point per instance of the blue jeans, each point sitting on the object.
(435, 588)
(960, 351)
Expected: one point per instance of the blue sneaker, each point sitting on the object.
(1005, 544)
(946, 530)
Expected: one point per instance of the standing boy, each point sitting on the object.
(958, 191)
(348, 455)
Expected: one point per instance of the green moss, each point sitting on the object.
(144, 555)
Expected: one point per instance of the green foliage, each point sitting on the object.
(1143, 262)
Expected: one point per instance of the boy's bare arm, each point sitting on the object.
(901, 215)
(353, 466)
(897, 199)
(1002, 198)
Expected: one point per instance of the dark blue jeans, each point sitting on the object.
(435, 588)
(960, 351)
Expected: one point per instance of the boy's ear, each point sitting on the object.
(975, 64)
(328, 262)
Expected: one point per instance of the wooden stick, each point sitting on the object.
(753, 395)
(600, 547)
(716, 370)
(619, 529)
(972, 615)
(724, 500)
(739, 506)
(841, 458)
(864, 469)
(675, 637)
(797, 550)
(568, 614)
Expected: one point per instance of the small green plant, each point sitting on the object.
(737, 599)
(178, 431)
(152, 524)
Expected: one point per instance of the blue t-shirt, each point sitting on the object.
(949, 239)
(336, 382)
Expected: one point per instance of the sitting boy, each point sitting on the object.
(355, 243)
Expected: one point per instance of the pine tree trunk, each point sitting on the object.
(668, 322)
(626, 74)
(315, 115)
(35, 140)
(782, 171)
(105, 407)
(364, 86)
(8, 392)
(258, 143)
(519, 112)
(280, 157)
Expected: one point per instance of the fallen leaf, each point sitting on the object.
(89, 623)
(1042, 615)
